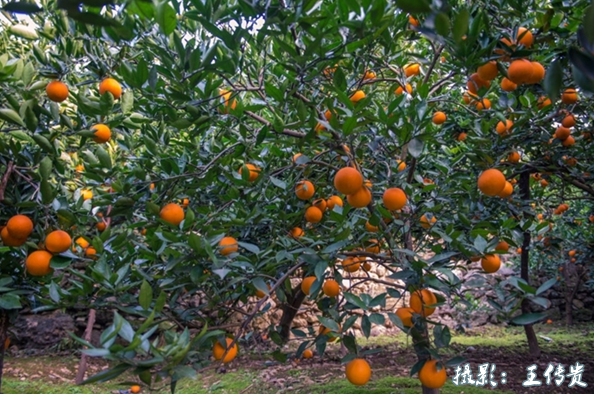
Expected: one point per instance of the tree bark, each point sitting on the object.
(290, 309)
(533, 346)
(82, 365)
(4, 323)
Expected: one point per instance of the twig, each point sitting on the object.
(4, 182)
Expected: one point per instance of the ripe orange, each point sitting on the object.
(348, 180)
(369, 75)
(260, 293)
(331, 288)
(371, 228)
(358, 372)
(504, 129)
(90, 252)
(401, 165)
(507, 85)
(475, 83)
(400, 89)
(9, 240)
(79, 168)
(513, 157)
(569, 141)
(525, 37)
(102, 133)
(430, 377)
(488, 71)
(112, 86)
(502, 246)
(491, 263)
(101, 226)
(425, 223)
(483, 103)
(538, 73)
(405, 314)
(519, 251)
(568, 121)
(520, 71)
(83, 243)
(543, 102)
(413, 21)
(306, 284)
(462, 136)
(38, 263)
(394, 199)
(439, 118)
(254, 171)
(297, 232)
(86, 194)
(313, 215)
(366, 266)
(351, 264)
(172, 213)
(507, 191)
(412, 70)
(360, 199)
(304, 190)
(320, 203)
(325, 331)
(228, 245)
(569, 96)
(419, 301)
(373, 246)
(218, 350)
(19, 226)
(571, 253)
(135, 389)
(185, 202)
(562, 133)
(56, 91)
(333, 201)
(491, 182)
(227, 96)
(474, 259)
(357, 96)
(307, 353)
(58, 241)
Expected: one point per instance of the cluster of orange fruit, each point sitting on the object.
(563, 132)
(492, 183)
(561, 209)
(57, 91)
(305, 190)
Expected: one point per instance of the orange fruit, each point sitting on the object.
(430, 377)
(491, 182)
(568, 121)
(569, 96)
(562, 133)
(58, 241)
(413, 21)
(412, 70)
(571, 253)
(90, 252)
(369, 75)
(569, 141)
(400, 89)
(313, 215)
(135, 389)
(371, 228)
(475, 83)
(228, 245)
(543, 102)
(102, 133)
(297, 232)
(307, 353)
(38, 263)
(507, 85)
(513, 157)
(357, 96)
(488, 71)
(401, 165)
(333, 201)
(218, 350)
(462, 136)
(254, 171)
(83, 243)
(538, 73)
(373, 246)
(348, 180)
(439, 118)
(325, 331)
(504, 129)
(360, 199)
(358, 372)
(172, 213)
(304, 190)
(366, 266)
(112, 86)
(502, 246)
(525, 37)
(9, 240)
(56, 91)
(185, 202)
(482, 104)
(405, 314)
(306, 284)
(507, 191)
(394, 199)
(227, 96)
(425, 223)
(419, 301)
(519, 251)
(320, 203)
(520, 71)
(86, 194)
(331, 288)
(260, 293)
(491, 263)
(79, 168)
(474, 259)
(101, 226)
(19, 226)
(351, 264)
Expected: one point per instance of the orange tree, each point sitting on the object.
(219, 149)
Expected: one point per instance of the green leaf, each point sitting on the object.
(461, 25)
(45, 168)
(11, 116)
(24, 31)
(166, 18)
(545, 286)
(588, 24)
(528, 318)
(43, 143)
(414, 6)
(109, 374)
(453, 362)
(47, 192)
(54, 293)
(22, 7)
(145, 298)
(250, 247)
(442, 24)
(127, 101)
(553, 79)
(10, 301)
(329, 323)
(103, 156)
(415, 147)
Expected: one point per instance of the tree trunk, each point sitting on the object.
(4, 323)
(290, 309)
(420, 342)
(82, 365)
(524, 269)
